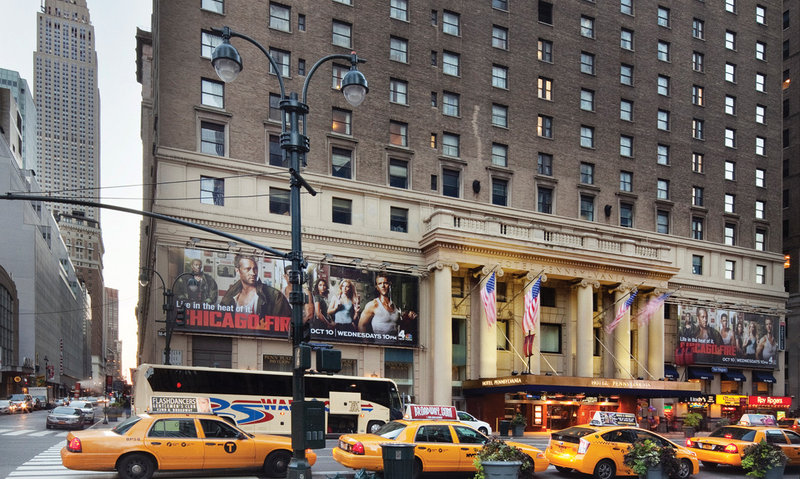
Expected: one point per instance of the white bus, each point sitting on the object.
(258, 401)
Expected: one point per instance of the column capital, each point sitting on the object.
(440, 265)
(530, 276)
(486, 270)
(623, 287)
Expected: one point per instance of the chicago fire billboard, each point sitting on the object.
(242, 294)
(726, 337)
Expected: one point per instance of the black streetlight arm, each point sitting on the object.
(352, 58)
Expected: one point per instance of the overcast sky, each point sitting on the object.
(115, 25)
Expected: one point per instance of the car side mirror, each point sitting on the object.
(242, 436)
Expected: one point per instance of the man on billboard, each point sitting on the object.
(768, 344)
(381, 315)
(200, 287)
(250, 295)
(705, 333)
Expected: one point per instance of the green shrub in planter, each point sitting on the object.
(692, 419)
(495, 449)
(646, 455)
(760, 458)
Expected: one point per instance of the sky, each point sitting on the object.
(115, 24)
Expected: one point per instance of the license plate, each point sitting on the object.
(708, 446)
(62, 422)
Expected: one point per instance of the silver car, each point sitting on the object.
(66, 417)
(5, 406)
(87, 408)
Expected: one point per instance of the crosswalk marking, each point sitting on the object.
(18, 432)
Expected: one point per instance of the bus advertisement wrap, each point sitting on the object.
(242, 294)
(726, 337)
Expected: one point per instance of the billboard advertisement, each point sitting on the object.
(245, 294)
(726, 337)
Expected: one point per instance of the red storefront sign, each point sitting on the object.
(769, 401)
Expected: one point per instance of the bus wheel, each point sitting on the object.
(277, 463)
(373, 426)
(136, 466)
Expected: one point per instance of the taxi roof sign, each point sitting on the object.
(431, 412)
(609, 418)
(179, 404)
(757, 420)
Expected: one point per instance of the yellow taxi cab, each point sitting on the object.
(150, 442)
(726, 445)
(599, 448)
(789, 423)
(441, 443)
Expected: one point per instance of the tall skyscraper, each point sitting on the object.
(68, 127)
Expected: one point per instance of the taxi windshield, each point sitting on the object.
(390, 430)
(125, 425)
(740, 433)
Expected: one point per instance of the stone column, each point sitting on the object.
(622, 335)
(535, 360)
(487, 335)
(584, 331)
(655, 339)
(441, 372)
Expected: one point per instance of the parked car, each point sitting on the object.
(87, 408)
(471, 420)
(23, 402)
(65, 417)
(6, 407)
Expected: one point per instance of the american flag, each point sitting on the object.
(528, 345)
(647, 312)
(489, 297)
(531, 308)
(621, 311)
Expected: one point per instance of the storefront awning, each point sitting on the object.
(671, 372)
(536, 384)
(701, 373)
(763, 377)
(734, 376)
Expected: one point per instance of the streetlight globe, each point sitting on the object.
(354, 87)
(226, 61)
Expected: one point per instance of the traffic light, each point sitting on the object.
(180, 315)
(329, 360)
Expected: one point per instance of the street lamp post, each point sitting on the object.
(228, 63)
(168, 306)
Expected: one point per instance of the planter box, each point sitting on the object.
(519, 430)
(501, 469)
(655, 473)
(775, 473)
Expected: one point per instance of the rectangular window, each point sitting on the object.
(761, 51)
(398, 173)
(451, 23)
(663, 17)
(500, 37)
(761, 113)
(301, 67)
(398, 91)
(626, 146)
(730, 170)
(545, 50)
(760, 206)
(663, 189)
(544, 164)
(398, 133)
(626, 7)
(500, 115)
(663, 85)
(626, 110)
(342, 211)
(698, 28)
(761, 80)
(208, 42)
(550, 338)
(761, 145)
(626, 39)
(697, 228)
(341, 163)
(761, 239)
(212, 93)
(276, 157)
(626, 215)
(697, 265)
(451, 183)
(730, 72)
(698, 60)
(662, 222)
(340, 121)
(500, 4)
(730, 269)
(730, 105)
(215, 6)
(450, 104)
(499, 76)
(451, 144)
(341, 34)
(761, 274)
(545, 88)
(338, 72)
(544, 200)
(587, 136)
(283, 59)
(587, 173)
(730, 137)
(212, 191)
(398, 9)
(545, 12)
(730, 40)
(301, 22)
(697, 129)
(499, 155)
(499, 191)
(212, 138)
(279, 17)
(697, 162)
(587, 100)
(761, 15)
(398, 49)
(663, 120)
(663, 51)
(587, 207)
(451, 63)
(730, 234)
(697, 196)
(662, 154)
(760, 175)
(697, 95)
(398, 219)
(625, 74)
(544, 126)
(730, 6)
(730, 203)
(278, 201)
(587, 63)
(587, 26)
(625, 181)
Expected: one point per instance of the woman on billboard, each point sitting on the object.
(346, 306)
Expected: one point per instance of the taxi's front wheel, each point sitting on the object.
(684, 469)
(277, 464)
(416, 471)
(136, 466)
(605, 469)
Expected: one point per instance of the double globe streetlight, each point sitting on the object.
(228, 63)
(171, 318)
